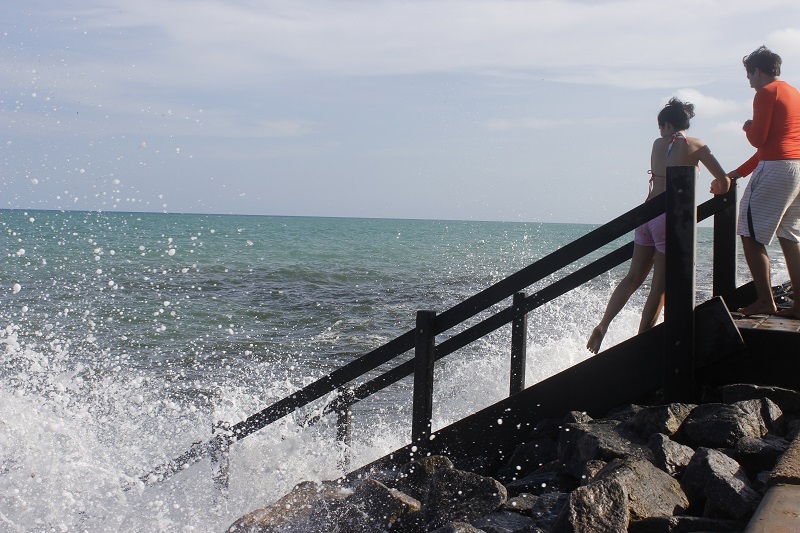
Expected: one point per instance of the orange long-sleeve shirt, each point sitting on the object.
(775, 129)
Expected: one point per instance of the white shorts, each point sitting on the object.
(771, 202)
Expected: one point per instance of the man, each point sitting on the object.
(771, 202)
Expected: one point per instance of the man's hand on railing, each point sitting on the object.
(721, 185)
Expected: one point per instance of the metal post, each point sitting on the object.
(519, 346)
(424, 356)
(344, 427)
(725, 247)
(681, 241)
(220, 451)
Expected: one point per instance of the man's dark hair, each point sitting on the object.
(676, 113)
(764, 60)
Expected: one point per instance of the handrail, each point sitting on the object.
(457, 314)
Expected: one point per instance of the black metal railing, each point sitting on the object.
(678, 202)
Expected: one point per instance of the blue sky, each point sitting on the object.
(469, 109)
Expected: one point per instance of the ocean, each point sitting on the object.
(125, 336)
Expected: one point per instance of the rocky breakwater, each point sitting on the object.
(641, 468)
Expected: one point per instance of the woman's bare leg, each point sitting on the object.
(791, 252)
(641, 263)
(758, 261)
(655, 300)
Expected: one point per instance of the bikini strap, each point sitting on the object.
(676, 135)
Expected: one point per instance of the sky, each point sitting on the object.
(512, 110)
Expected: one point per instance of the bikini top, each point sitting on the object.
(676, 135)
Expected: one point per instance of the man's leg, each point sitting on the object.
(758, 261)
(791, 251)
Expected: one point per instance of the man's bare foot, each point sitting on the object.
(596, 339)
(791, 312)
(758, 308)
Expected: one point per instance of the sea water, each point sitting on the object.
(124, 337)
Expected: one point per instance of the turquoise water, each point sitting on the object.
(125, 336)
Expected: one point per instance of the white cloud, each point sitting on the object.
(730, 127)
(709, 105)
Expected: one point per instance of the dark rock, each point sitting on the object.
(668, 455)
(718, 484)
(665, 419)
(768, 414)
(601, 439)
(623, 413)
(505, 522)
(414, 477)
(544, 509)
(529, 457)
(384, 506)
(685, 524)
(590, 469)
(295, 507)
(758, 455)
(455, 495)
(552, 477)
(594, 508)
(577, 417)
(523, 504)
(716, 425)
(649, 491)
(788, 400)
(457, 527)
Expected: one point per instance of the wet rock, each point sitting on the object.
(505, 522)
(716, 425)
(414, 477)
(457, 527)
(648, 490)
(295, 507)
(759, 455)
(716, 483)
(601, 439)
(455, 495)
(670, 456)
(685, 524)
(594, 508)
(528, 457)
(543, 509)
(551, 477)
(788, 400)
(664, 419)
(385, 507)
(590, 470)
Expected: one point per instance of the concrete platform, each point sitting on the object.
(770, 322)
(779, 510)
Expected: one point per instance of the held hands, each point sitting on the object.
(720, 186)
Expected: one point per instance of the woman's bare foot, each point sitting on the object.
(791, 312)
(759, 308)
(596, 339)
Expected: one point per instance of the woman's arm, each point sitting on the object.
(722, 182)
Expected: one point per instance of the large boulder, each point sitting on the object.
(670, 456)
(455, 495)
(664, 419)
(414, 477)
(716, 483)
(627, 489)
(719, 425)
(601, 439)
(295, 507)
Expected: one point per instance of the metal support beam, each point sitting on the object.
(681, 246)
(519, 345)
(725, 247)
(424, 357)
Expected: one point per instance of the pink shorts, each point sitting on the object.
(653, 233)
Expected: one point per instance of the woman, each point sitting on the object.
(672, 148)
